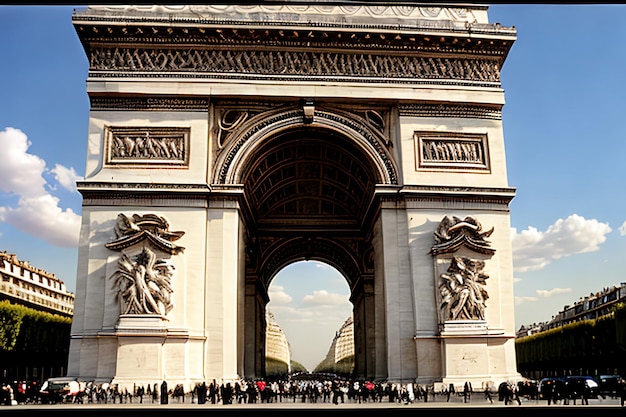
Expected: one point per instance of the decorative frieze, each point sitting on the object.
(147, 146)
(293, 65)
(149, 104)
(466, 111)
(451, 150)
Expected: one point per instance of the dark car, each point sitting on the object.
(581, 387)
(609, 385)
(553, 388)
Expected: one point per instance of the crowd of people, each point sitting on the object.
(334, 390)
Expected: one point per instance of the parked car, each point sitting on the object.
(581, 387)
(552, 387)
(58, 390)
(609, 385)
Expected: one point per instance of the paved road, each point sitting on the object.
(477, 405)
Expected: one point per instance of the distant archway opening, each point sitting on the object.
(309, 301)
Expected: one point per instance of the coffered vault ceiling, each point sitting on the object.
(309, 179)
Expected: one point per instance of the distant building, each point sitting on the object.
(32, 287)
(342, 346)
(344, 341)
(276, 344)
(590, 307)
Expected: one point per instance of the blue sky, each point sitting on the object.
(564, 129)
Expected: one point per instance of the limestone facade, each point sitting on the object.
(343, 343)
(276, 345)
(226, 142)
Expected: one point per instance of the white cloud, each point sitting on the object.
(553, 291)
(324, 298)
(534, 249)
(37, 212)
(278, 296)
(288, 315)
(65, 176)
(520, 300)
(20, 172)
(622, 229)
(542, 294)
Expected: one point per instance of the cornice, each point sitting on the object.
(329, 13)
(457, 41)
(446, 197)
(146, 40)
(103, 186)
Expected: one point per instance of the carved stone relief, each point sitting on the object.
(451, 150)
(461, 286)
(454, 232)
(143, 279)
(462, 290)
(147, 146)
(283, 64)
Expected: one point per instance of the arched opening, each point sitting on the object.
(309, 194)
(310, 302)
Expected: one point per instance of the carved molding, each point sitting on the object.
(451, 151)
(477, 202)
(143, 147)
(131, 200)
(303, 13)
(141, 186)
(322, 117)
(468, 111)
(232, 115)
(149, 103)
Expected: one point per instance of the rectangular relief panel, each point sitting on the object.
(451, 151)
(147, 147)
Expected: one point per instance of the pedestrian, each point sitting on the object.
(164, 392)
(622, 391)
(488, 394)
(202, 390)
(450, 392)
(467, 390)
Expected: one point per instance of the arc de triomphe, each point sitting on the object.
(226, 142)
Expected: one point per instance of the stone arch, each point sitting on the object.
(252, 133)
(331, 252)
(308, 191)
